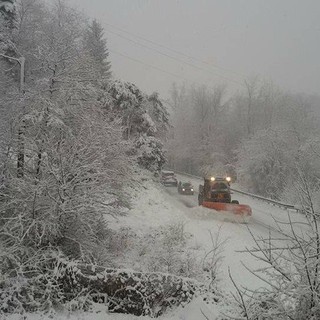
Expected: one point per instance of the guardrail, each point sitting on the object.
(270, 201)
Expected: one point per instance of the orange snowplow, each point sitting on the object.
(240, 209)
(215, 194)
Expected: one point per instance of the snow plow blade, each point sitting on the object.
(238, 209)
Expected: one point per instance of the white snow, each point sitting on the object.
(8, 7)
(161, 205)
(155, 205)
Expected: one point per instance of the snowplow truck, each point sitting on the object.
(215, 194)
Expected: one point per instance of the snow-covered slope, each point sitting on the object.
(155, 205)
(159, 205)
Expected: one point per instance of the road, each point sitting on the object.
(237, 236)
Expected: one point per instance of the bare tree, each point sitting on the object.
(290, 256)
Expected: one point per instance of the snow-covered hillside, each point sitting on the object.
(158, 205)
(155, 207)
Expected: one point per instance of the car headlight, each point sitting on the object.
(212, 178)
(183, 189)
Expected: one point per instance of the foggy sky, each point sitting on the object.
(275, 39)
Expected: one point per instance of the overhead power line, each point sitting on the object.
(148, 65)
(176, 51)
(176, 59)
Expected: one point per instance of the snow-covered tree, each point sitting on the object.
(158, 113)
(7, 10)
(129, 105)
(200, 129)
(258, 132)
(75, 160)
(264, 161)
(145, 121)
(7, 46)
(7, 24)
(96, 45)
(150, 153)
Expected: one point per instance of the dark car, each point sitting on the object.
(168, 178)
(185, 188)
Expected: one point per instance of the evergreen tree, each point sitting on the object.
(96, 46)
(144, 119)
(159, 114)
(129, 105)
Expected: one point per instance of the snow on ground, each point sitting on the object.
(99, 313)
(151, 207)
(159, 205)
(264, 220)
(195, 310)
(155, 205)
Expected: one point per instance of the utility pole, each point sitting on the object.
(20, 161)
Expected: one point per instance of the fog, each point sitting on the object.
(89, 223)
(277, 40)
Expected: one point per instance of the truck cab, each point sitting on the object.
(215, 190)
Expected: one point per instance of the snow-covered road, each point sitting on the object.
(201, 221)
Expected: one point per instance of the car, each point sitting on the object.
(168, 178)
(185, 188)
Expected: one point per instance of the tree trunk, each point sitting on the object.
(20, 161)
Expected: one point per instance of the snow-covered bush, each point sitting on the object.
(33, 286)
(168, 249)
(126, 291)
(75, 286)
